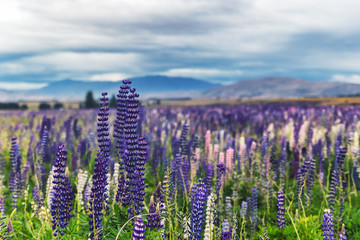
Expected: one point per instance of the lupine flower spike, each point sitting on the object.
(328, 225)
(139, 229)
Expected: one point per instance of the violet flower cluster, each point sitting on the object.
(61, 201)
(98, 196)
(226, 230)
(198, 202)
(15, 174)
(328, 225)
(280, 209)
(139, 229)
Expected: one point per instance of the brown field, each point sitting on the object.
(213, 101)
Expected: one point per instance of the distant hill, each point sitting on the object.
(14, 96)
(279, 87)
(147, 86)
(180, 87)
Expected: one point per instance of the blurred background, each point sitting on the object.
(60, 54)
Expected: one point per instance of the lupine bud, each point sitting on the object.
(342, 235)
(139, 229)
(328, 226)
(226, 230)
(280, 209)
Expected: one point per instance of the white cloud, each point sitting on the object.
(201, 72)
(74, 64)
(18, 68)
(354, 78)
(21, 85)
(230, 27)
(59, 33)
(93, 61)
(109, 77)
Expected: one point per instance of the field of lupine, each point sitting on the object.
(261, 171)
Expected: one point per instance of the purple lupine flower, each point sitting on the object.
(42, 146)
(45, 124)
(220, 171)
(59, 206)
(209, 177)
(181, 144)
(141, 120)
(295, 165)
(30, 154)
(104, 145)
(275, 166)
(263, 151)
(310, 180)
(185, 167)
(137, 195)
(68, 197)
(103, 126)
(197, 210)
(25, 175)
(280, 209)
(68, 137)
(87, 192)
(226, 230)
(76, 129)
(2, 208)
(332, 191)
(159, 196)
(265, 234)
(328, 226)
(98, 196)
(253, 209)
(142, 147)
(41, 172)
(300, 180)
(2, 165)
(131, 152)
(177, 176)
(83, 147)
(244, 209)
(139, 229)
(154, 215)
(119, 126)
(342, 235)
(321, 167)
(121, 188)
(15, 174)
(38, 199)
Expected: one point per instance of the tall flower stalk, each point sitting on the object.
(61, 200)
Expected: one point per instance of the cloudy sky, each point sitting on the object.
(215, 40)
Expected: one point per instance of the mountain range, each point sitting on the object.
(147, 86)
(177, 87)
(278, 87)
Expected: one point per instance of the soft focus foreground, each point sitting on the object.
(260, 171)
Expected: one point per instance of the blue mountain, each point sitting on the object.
(147, 86)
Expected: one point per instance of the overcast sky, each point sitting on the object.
(215, 40)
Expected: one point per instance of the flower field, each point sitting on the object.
(251, 171)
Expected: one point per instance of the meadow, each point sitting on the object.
(255, 170)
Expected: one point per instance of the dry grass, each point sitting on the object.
(214, 101)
